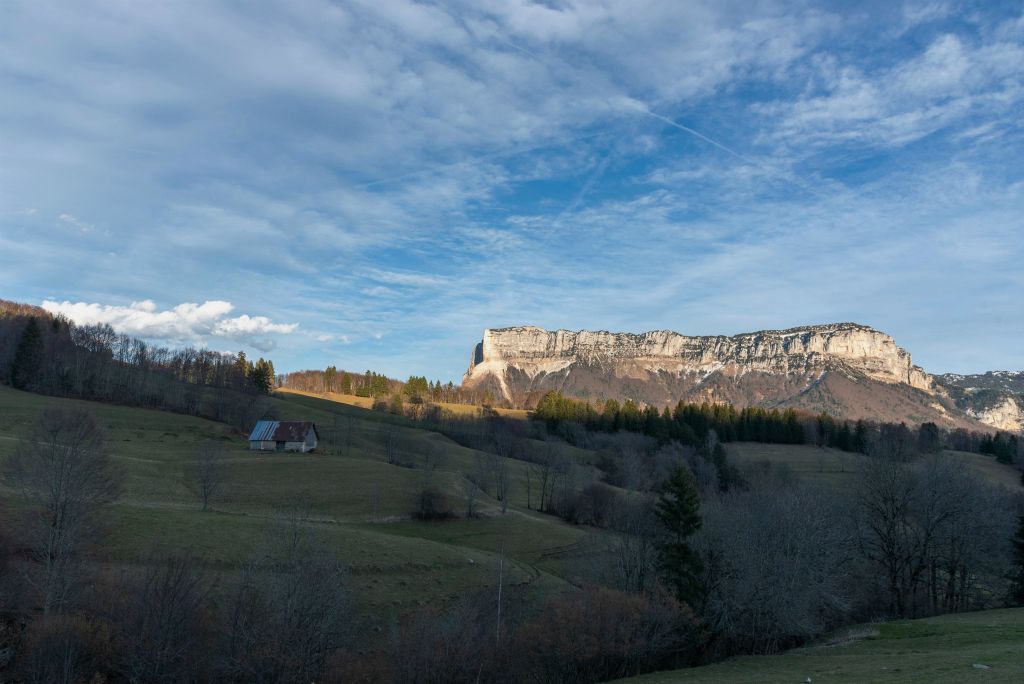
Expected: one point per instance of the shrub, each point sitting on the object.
(63, 648)
(432, 504)
(603, 634)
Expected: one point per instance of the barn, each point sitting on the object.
(284, 435)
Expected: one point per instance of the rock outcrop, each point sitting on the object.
(821, 367)
(995, 398)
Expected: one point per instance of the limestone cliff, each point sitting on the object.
(822, 367)
(995, 398)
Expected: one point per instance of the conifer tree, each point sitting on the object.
(1017, 573)
(678, 510)
(263, 376)
(28, 356)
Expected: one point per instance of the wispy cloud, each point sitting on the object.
(394, 177)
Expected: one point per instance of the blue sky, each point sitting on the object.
(370, 184)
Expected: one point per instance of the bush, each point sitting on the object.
(453, 646)
(594, 505)
(603, 634)
(63, 648)
(432, 504)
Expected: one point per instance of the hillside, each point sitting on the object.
(839, 468)
(995, 398)
(983, 647)
(356, 494)
(358, 505)
(846, 369)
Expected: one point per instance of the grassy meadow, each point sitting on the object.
(839, 468)
(358, 505)
(986, 646)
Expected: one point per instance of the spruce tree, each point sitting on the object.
(1017, 574)
(28, 357)
(263, 376)
(678, 510)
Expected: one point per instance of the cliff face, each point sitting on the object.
(995, 398)
(815, 367)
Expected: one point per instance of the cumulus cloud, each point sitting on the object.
(187, 323)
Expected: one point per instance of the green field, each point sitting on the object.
(358, 505)
(839, 468)
(973, 647)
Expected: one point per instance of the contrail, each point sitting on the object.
(632, 104)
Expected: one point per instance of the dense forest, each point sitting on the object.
(51, 355)
(690, 424)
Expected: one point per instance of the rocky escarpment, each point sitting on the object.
(822, 367)
(995, 398)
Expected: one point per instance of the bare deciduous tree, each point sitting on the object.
(774, 566)
(470, 492)
(391, 445)
(207, 474)
(63, 468)
(902, 509)
(289, 613)
(158, 618)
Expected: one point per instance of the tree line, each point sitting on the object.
(416, 388)
(690, 424)
(51, 355)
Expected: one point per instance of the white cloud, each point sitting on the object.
(187, 323)
(82, 226)
(406, 278)
(947, 83)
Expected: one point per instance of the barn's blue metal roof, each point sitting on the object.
(264, 430)
(282, 431)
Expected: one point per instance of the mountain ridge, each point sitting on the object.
(815, 367)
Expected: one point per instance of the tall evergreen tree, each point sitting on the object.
(678, 510)
(1017, 574)
(28, 357)
(263, 376)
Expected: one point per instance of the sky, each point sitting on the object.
(370, 184)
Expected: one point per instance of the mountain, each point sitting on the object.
(847, 369)
(995, 398)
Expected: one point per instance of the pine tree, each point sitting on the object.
(1017, 574)
(263, 376)
(678, 510)
(28, 357)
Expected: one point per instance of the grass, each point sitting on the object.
(367, 402)
(356, 503)
(839, 468)
(972, 647)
